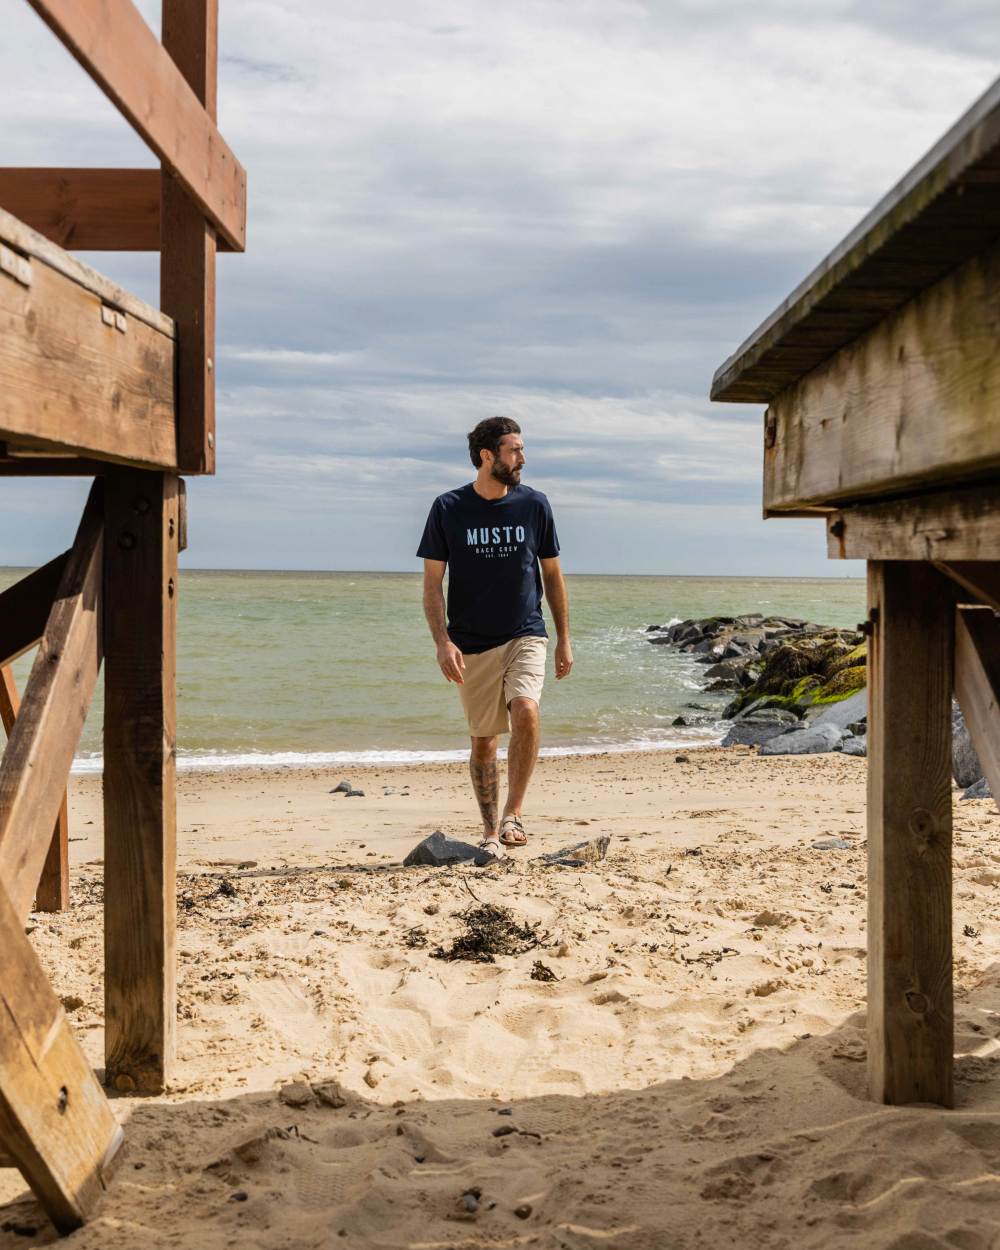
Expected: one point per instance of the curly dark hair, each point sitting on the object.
(487, 435)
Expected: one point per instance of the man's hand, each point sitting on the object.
(451, 662)
(564, 658)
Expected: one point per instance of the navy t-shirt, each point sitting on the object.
(492, 547)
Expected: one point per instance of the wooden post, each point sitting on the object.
(910, 1008)
(188, 243)
(139, 774)
(53, 886)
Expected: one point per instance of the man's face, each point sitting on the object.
(509, 460)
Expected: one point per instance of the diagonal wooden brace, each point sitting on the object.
(977, 685)
(44, 738)
(25, 608)
(55, 1122)
(980, 578)
(53, 888)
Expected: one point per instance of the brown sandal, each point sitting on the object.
(512, 832)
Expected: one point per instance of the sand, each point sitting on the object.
(690, 1073)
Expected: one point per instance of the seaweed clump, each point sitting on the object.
(490, 931)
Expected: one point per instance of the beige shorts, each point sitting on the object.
(493, 678)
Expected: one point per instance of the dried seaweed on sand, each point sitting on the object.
(490, 931)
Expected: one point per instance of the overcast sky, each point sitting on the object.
(566, 211)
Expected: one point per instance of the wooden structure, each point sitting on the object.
(95, 382)
(882, 380)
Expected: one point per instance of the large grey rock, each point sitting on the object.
(855, 744)
(437, 850)
(752, 733)
(965, 765)
(726, 668)
(773, 716)
(979, 790)
(844, 713)
(813, 740)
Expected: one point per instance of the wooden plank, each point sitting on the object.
(187, 267)
(139, 778)
(53, 886)
(25, 608)
(49, 466)
(944, 210)
(948, 525)
(977, 685)
(109, 210)
(80, 375)
(979, 578)
(45, 734)
(30, 243)
(910, 405)
(910, 1002)
(123, 56)
(55, 1121)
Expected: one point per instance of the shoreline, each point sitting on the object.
(390, 758)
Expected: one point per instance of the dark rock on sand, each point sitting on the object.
(979, 790)
(437, 850)
(812, 740)
(753, 733)
(855, 744)
(581, 853)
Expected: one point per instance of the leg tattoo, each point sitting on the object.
(486, 783)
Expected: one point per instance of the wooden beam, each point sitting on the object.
(977, 685)
(187, 267)
(44, 738)
(50, 466)
(910, 1000)
(909, 405)
(55, 1121)
(114, 45)
(53, 886)
(947, 525)
(80, 374)
(980, 578)
(25, 608)
(99, 210)
(139, 778)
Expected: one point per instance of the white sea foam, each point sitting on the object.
(207, 761)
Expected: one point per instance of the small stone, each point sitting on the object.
(832, 844)
(581, 853)
(370, 1079)
(124, 1083)
(505, 1110)
(240, 1195)
(297, 1094)
(354, 794)
(470, 1201)
(681, 759)
(345, 787)
(431, 909)
(330, 1095)
(523, 1211)
(71, 1002)
(504, 1130)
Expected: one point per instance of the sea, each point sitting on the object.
(297, 669)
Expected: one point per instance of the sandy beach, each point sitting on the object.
(688, 1072)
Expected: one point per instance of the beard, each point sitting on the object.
(509, 477)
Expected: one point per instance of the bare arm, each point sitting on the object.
(555, 593)
(449, 657)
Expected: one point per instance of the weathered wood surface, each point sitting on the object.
(910, 405)
(25, 607)
(948, 525)
(910, 1001)
(977, 685)
(980, 579)
(55, 1121)
(99, 210)
(80, 374)
(139, 778)
(112, 42)
(53, 886)
(34, 245)
(946, 209)
(45, 734)
(187, 267)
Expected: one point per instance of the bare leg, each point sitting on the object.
(522, 753)
(486, 781)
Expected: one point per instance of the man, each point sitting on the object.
(493, 535)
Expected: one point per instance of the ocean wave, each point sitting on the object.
(208, 761)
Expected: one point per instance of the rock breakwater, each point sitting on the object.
(786, 676)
